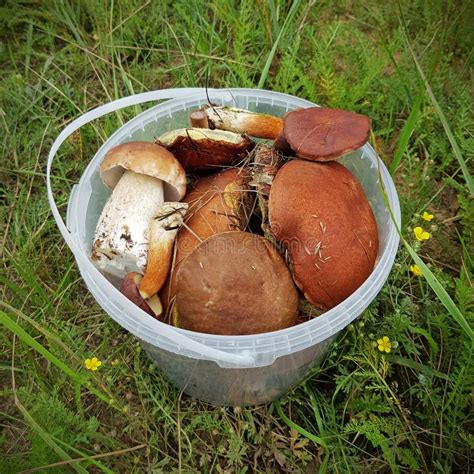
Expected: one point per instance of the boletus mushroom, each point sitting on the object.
(235, 283)
(217, 203)
(319, 213)
(321, 134)
(201, 148)
(243, 121)
(142, 175)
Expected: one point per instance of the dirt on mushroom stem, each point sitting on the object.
(265, 165)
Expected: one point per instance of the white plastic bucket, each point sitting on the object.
(223, 370)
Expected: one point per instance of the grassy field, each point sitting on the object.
(409, 68)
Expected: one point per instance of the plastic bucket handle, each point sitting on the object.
(163, 329)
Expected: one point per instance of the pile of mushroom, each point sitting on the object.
(265, 234)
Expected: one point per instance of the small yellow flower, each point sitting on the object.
(421, 234)
(384, 344)
(115, 362)
(92, 364)
(415, 269)
(427, 216)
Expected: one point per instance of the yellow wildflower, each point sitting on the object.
(421, 234)
(384, 344)
(427, 216)
(415, 269)
(115, 362)
(92, 364)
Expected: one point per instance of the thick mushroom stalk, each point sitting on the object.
(163, 229)
(119, 244)
(198, 119)
(244, 121)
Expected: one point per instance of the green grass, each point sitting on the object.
(408, 67)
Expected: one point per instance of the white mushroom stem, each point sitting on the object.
(244, 121)
(163, 229)
(121, 237)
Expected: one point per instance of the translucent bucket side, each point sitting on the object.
(264, 348)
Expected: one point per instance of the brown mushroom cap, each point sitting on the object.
(235, 283)
(320, 134)
(217, 203)
(201, 148)
(145, 158)
(320, 214)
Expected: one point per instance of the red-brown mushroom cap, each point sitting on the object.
(327, 226)
(320, 134)
(235, 283)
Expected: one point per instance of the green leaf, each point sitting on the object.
(406, 133)
(298, 428)
(403, 361)
(46, 437)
